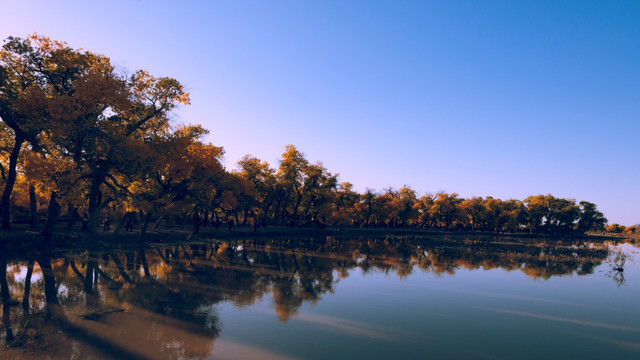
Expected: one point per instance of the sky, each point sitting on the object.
(482, 98)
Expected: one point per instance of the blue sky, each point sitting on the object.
(483, 98)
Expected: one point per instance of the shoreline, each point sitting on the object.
(22, 240)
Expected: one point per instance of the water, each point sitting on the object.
(361, 298)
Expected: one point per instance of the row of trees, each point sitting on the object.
(299, 193)
(621, 229)
(78, 133)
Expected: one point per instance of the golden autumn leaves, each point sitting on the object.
(88, 126)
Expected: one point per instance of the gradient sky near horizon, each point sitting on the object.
(483, 98)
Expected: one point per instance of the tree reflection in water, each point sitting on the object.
(617, 260)
(158, 302)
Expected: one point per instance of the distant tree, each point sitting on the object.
(590, 219)
(445, 209)
(385, 213)
(537, 210)
(564, 214)
(554, 215)
(262, 176)
(367, 206)
(345, 210)
(473, 213)
(634, 229)
(423, 209)
(318, 192)
(493, 209)
(405, 201)
(615, 228)
(512, 215)
(291, 177)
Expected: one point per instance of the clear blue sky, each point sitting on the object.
(483, 98)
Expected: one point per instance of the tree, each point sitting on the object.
(537, 209)
(29, 69)
(383, 211)
(366, 205)
(291, 176)
(262, 177)
(108, 133)
(423, 207)
(89, 113)
(564, 214)
(615, 228)
(473, 211)
(590, 218)
(633, 229)
(318, 191)
(512, 215)
(345, 210)
(445, 209)
(405, 200)
(188, 175)
(45, 86)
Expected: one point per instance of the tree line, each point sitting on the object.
(80, 136)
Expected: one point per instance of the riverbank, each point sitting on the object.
(21, 239)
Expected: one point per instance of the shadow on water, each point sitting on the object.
(157, 302)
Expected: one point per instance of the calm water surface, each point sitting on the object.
(292, 299)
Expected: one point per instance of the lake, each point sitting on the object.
(376, 298)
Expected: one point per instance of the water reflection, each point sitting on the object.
(617, 261)
(157, 302)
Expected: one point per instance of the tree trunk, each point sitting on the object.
(147, 219)
(294, 215)
(145, 266)
(121, 269)
(245, 213)
(266, 211)
(95, 199)
(184, 222)
(53, 308)
(276, 212)
(5, 208)
(52, 217)
(122, 222)
(157, 225)
(89, 276)
(206, 218)
(6, 297)
(33, 202)
(27, 288)
(71, 211)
